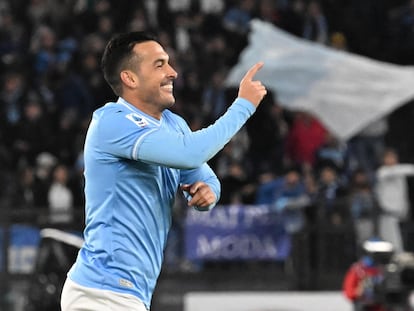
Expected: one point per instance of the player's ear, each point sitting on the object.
(129, 78)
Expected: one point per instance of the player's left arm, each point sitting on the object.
(201, 187)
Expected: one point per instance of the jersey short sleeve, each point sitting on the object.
(120, 131)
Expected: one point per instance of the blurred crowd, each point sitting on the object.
(51, 83)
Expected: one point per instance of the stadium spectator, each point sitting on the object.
(287, 195)
(315, 27)
(60, 197)
(12, 37)
(338, 41)
(31, 135)
(392, 192)
(331, 198)
(28, 192)
(233, 152)
(400, 33)
(306, 135)
(268, 131)
(67, 139)
(214, 97)
(236, 19)
(236, 187)
(367, 146)
(212, 6)
(12, 98)
(44, 49)
(335, 153)
(363, 204)
(269, 11)
(293, 17)
(362, 281)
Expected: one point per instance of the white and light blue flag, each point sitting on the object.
(345, 91)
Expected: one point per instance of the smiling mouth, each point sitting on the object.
(167, 87)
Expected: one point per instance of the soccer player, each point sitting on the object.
(137, 155)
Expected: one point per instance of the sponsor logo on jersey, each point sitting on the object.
(125, 283)
(137, 119)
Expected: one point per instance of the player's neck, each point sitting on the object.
(148, 108)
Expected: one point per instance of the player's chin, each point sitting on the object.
(170, 101)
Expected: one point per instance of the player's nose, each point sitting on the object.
(171, 72)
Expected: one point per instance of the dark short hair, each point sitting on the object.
(118, 53)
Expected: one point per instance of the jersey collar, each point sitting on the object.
(131, 107)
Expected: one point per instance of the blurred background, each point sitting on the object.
(297, 201)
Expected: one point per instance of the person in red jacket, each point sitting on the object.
(306, 135)
(363, 280)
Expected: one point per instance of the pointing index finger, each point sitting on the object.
(252, 71)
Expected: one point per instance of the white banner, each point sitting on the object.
(266, 301)
(345, 91)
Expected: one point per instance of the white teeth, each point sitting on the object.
(168, 86)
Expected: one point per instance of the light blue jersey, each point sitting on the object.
(134, 165)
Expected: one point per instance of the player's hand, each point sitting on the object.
(201, 194)
(252, 90)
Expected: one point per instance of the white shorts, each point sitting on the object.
(80, 298)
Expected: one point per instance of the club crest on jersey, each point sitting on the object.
(137, 119)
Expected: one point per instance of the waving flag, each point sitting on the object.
(345, 91)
